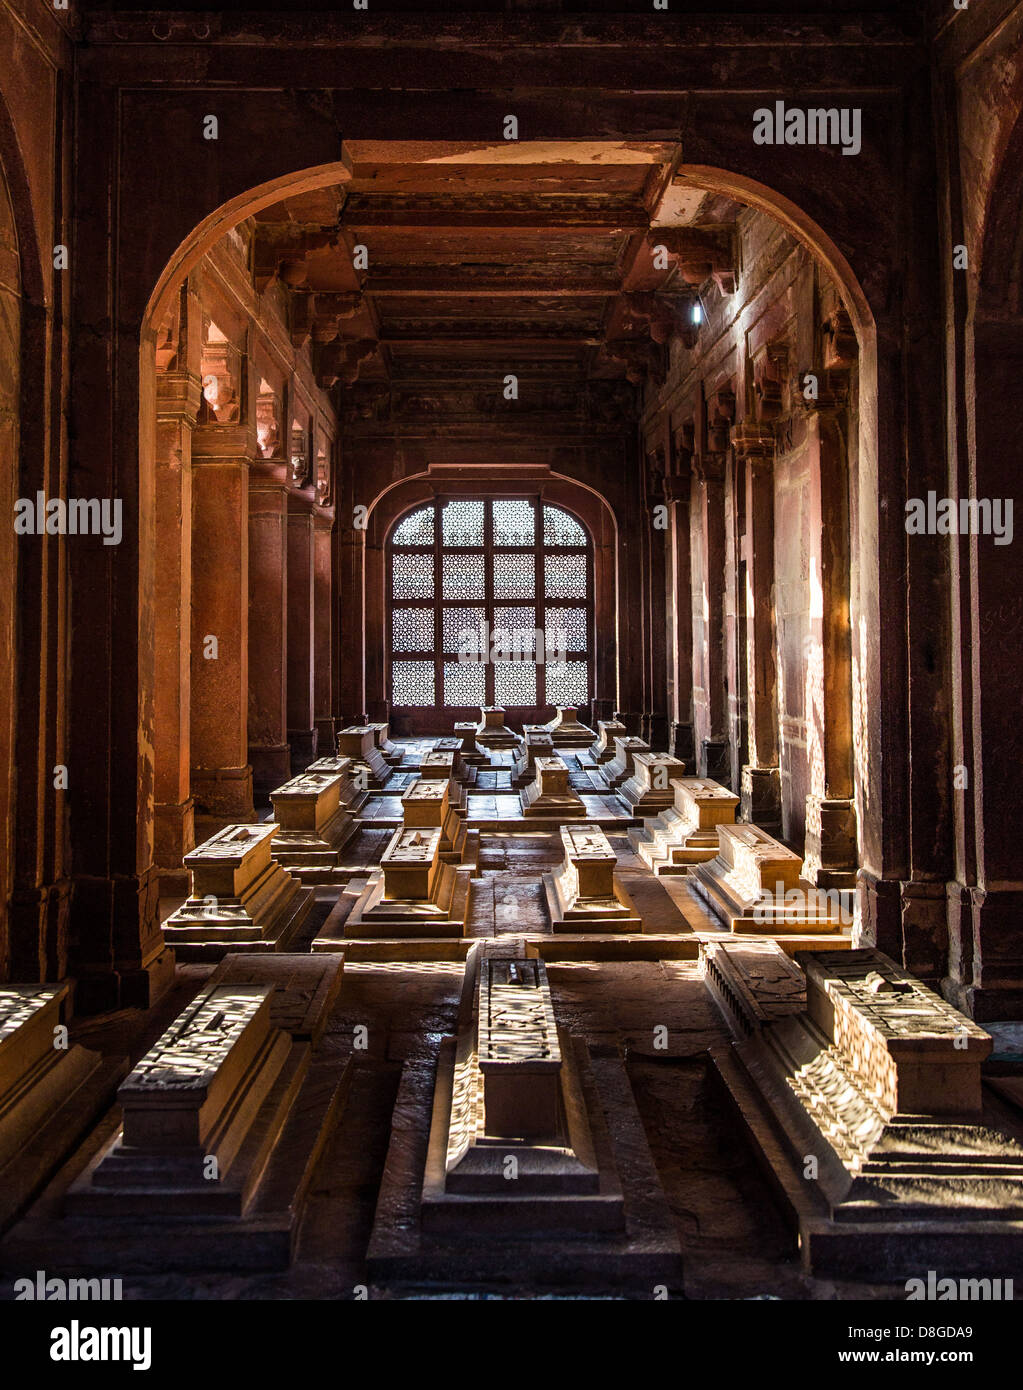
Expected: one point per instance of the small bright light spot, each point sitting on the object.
(696, 312)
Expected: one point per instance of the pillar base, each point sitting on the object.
(271, 766)
(985, 975)
(760, 796)
(680, 742)
(713, 760)
(654, 730)
(633, 722)
(830, 852)
(223, 796)
(173, 832)
(326, 731)
(303, 749)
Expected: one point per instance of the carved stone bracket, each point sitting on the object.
(282, 251)
(341, 360)
(754, 442)
(701, 254)
(641, 358)
(720, 415)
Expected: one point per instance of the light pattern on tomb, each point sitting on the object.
(566, 683)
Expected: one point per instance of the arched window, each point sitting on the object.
(490, 601)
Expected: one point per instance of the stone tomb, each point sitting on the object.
(429, 803)
(535, 744)
(685, 833)
(602, 750)
(241, 898)
(649, 790)
(49, 1095)
(414, 893)
(438, 765)
(358, 742)
(491, 731)
(583, 893)
(566, 730)
(753, 884)
(471, 754)
(509, 1092)
(350, 795)
(549, 794)
(220, 1127)
(313, 825)
(920, 1165)
(389, 751)
(460, 770)
(620, 767)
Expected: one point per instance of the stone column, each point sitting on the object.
(760, 796)
(323, 629)
(178, 393)
(269, 752)
(830, 855)
(678, 490)
(708, 506)
(301, 719)
(221, 773)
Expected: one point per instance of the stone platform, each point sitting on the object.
(549, 794)
(414, 893)
(919, 1165)
(472, 755)
(536, 743)
(602, 749)
(358, 742)
(392, 753)
(533, 1145)
(49, 1095)
(491, 731)
(566, 730)
(206, 1161)
(620, 767)
(583, 893)
(685, 833)
(313, 825)
(753, 884)
(351, 796)
(649, 791)
(241, 899)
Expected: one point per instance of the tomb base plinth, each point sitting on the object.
(314, 826)
(535, 744)
(414, 893)
(549, 794)
(358, 742)
(602, 750)
(390, 752)
(351, 794)
(686, 833)
(241, 899)
(919, 1164)
(583, 893)
(49, 1096)
(620, 767)
(491, 731)
(753, 884)
(206, 1161)
(649, 790)
(471, 754)
(566, 730)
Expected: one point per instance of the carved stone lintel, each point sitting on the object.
(755, 443)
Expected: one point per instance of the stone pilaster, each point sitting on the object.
(301, 639)
(324, 603)
(269, 752)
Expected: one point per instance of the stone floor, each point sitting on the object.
(734, 1243)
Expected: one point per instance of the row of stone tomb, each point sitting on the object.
(252, 885)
